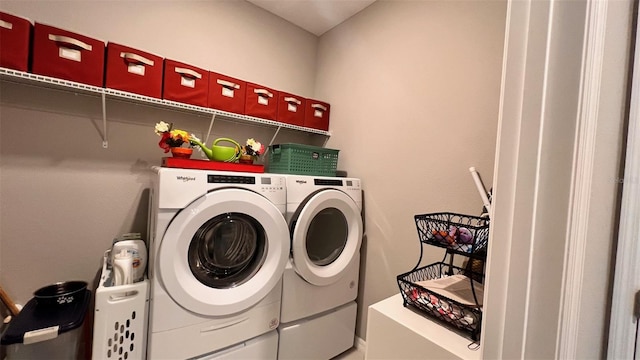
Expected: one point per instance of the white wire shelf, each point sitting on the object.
(55, 83)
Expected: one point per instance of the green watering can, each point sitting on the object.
(221, 153)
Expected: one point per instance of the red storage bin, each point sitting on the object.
(316, 115)
(261, 102)
(15, 37)
(133, 70)
(67, 55)
(185, 83)
(227, 93)
(291, 109)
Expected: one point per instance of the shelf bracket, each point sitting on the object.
(105, 141)
(206, 140)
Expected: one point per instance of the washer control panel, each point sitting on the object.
(266, 183)
(230, 179)
(272, 183)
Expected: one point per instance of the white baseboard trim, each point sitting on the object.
(360, 344)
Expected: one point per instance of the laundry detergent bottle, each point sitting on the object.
(138, 251)
(123, 268)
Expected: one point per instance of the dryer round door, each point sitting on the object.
(326, 236)
(224, 252)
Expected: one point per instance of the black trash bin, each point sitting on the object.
(47, 330)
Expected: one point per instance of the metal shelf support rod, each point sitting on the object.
(105, 142)
(274, 135)
(324, 143)
(272, 139)
(213, 118)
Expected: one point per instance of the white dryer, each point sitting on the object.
(320, 281)
(219, 246)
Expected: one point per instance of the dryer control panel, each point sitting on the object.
(344, 184)
(299, 187)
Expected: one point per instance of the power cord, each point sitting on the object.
(636, 312)
(474, 346)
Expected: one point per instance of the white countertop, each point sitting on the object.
(430, 334)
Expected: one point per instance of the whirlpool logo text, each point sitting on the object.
(186, 178)
(301, 181)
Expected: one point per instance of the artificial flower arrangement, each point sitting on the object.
(252, 148)
(170, 137)
(250, 152)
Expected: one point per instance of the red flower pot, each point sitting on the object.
(180, 152)
(245, 159)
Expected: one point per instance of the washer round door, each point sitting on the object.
(326, 236)
(224, 252)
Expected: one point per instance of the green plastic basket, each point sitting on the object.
(302, 159)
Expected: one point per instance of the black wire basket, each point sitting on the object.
(427, 301)
(463, 234)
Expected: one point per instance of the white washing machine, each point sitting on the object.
(219, 246)
(320, 281)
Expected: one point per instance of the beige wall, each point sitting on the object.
(64, 197)
(414, 91)
(232, 37)
(414, 88)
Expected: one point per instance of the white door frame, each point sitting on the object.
(523, 268)
(622, 331)
(575, 259)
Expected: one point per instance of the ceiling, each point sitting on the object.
(315, 16)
